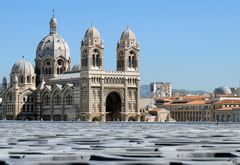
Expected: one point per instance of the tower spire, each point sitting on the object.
(53, 24)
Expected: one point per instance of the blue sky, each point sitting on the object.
(192, 44)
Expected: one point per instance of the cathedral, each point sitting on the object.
(53, 90)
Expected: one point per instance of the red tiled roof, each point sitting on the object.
(228, 102)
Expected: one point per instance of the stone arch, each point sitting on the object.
(96, 119)
(46, 98)
(57, 99)
(48, 64)
(68, 96)
(96, 58)
(114, 105)
(132, 118)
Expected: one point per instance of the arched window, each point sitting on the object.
(133, 62)
(129, 62)
(68, 99)
(46, 100)
(22, 79)
(98, 60)
(28, 79)
(57, 100)
(60, 66)
(10, 98)
(93, 60)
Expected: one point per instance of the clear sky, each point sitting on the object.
(194, 44)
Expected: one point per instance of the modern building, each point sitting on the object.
(52, 90)
(161, 89)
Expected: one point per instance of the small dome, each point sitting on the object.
(76, 68)
(92, 33)
(224, 90)
(23, 67)
(53, 21)
(127, 35)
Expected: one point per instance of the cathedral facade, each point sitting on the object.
(52, 90)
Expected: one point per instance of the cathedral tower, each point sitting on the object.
(92, 50)
(128, 52)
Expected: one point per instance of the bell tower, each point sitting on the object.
(128, 52)
(92, 50)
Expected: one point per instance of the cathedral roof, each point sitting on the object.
(92, 33)
(67, 76)
(127, 35)
(53, 44)
(23, 67)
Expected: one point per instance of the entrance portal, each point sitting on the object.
(113, 107)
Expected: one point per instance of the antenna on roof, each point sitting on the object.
(53, 12)
(22, 57)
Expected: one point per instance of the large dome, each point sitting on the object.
(53, 44)
(224, 90)
(127, 35)
(92, 33)
(23, 67)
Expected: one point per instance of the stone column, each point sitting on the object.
(125, 98)
(38, 105)
(102, 101)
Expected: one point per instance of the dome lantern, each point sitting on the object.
(53, 25)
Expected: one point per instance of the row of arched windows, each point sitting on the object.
(57, 99)
(132, 62)
(22, 79)
(48, 70)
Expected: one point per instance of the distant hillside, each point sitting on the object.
(145, 91)
(190, 92)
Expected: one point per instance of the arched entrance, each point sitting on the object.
(113, 107)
